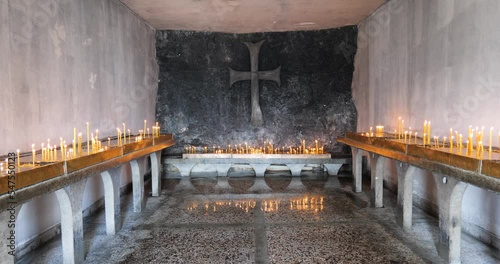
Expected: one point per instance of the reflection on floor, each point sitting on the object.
(309, 219)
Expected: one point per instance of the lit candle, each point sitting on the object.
(402, 126)
(317, 149)
(399, 128)
(79, 149)
(460, 144)
(451, 138)
(18, 161)
(33, 152)
(144, 128)
(88, 139)
(65, 152)
(416, 137)
(118, 138)
(246, 147)
(425, 132)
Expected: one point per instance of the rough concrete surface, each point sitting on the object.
(197, 105)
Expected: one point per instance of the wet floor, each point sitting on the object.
(275, 219)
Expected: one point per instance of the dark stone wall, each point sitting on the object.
(196, 104)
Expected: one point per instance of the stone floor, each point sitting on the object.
(311, 219)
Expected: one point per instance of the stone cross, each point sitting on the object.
(254, 75)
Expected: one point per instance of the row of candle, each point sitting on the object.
(475, 138)
(53, 153)
(268, 148)
(143, 134)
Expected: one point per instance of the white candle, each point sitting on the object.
(88, 139)
(33, 152)
(18, 161)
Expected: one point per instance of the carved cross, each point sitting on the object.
(254, 75)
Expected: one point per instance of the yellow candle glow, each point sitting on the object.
(451, 143)
(429, 132)
(402, 127)
(18, 161)
(424, 132)
(65, 152)
(399, 128)
(451, 138)
(88, 139)
(78, 150)
(33, 153)
(317, 149)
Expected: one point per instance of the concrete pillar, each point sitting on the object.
(333, 169)
(260, 185)
(357, 168)
(8, 234)
(450, 194)
(405, 195)
(184, 169)
(70, 203)
(222, 169)
(295, 169)
(137, 185)
(377, 180)
(260, 169)
(112, 201)
(155, 173)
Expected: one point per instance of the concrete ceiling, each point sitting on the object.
(245, 16)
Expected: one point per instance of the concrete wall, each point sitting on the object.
(437, 60)
(64, 63)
